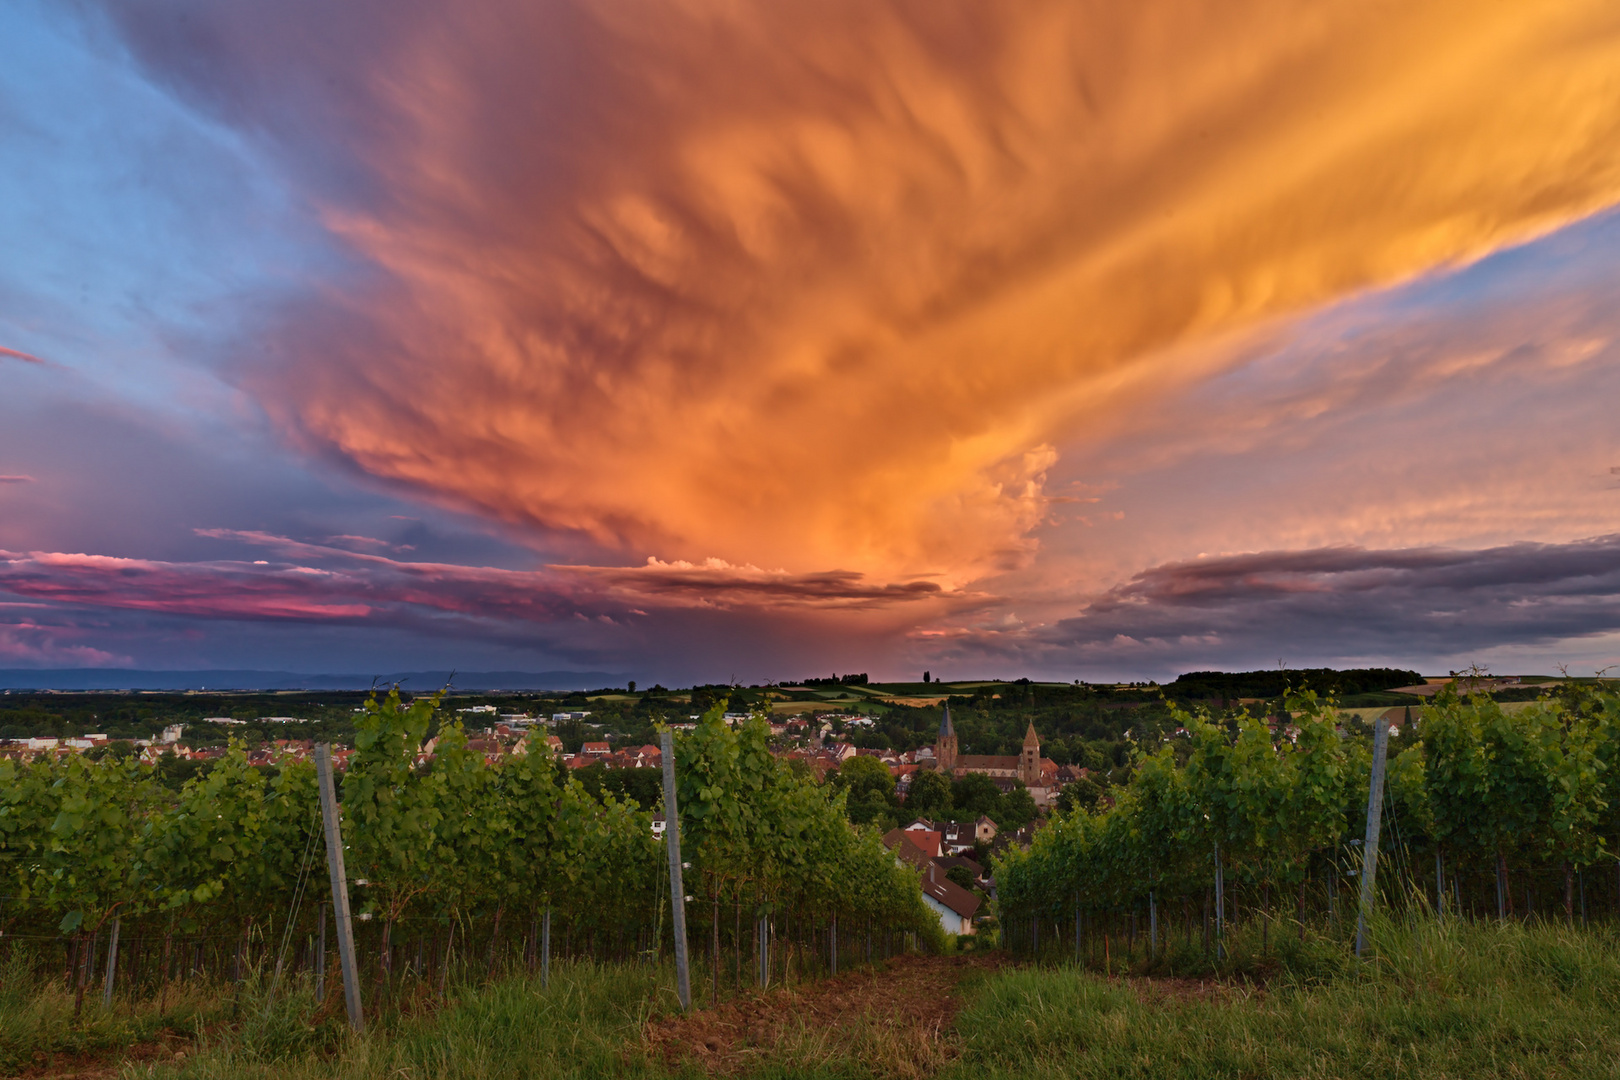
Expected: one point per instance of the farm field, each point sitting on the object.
(1438, 1000)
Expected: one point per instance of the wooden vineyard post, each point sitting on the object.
(763, 931)
(1369, 849)
(1220, 906)
(545, 949)
(1153, 925)
(112, 967)
(340, 885)
(1439, 883)
(1333, 894)
(320, 958)
(833, 942)
(677, 890)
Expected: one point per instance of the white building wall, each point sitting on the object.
(950, 920)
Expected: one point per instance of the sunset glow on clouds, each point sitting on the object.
(854, 334)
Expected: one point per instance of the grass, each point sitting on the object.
(587, 1024)
(1435, 1000)
(38, 1025)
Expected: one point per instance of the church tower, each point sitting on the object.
(945, 745)
(1029, 761)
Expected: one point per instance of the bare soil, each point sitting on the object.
(897, 1019)
(99, 1064)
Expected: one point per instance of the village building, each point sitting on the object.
(955, 906)
(1038, 774)
(955, 837)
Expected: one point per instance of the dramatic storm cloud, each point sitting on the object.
(823, 287)
(894, 327)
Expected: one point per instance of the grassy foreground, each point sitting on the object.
(1438, 1001)
(1435, 1002)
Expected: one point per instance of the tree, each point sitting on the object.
(960, 875)
(976, 794)
(861, 776)
(872, 809)
(1083, 794)
(870, 792)
(930, 794)
(1017, 808)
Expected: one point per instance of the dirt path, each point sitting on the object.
(896, 1021)
(167, 1047)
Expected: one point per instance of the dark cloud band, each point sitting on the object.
(1339, 602)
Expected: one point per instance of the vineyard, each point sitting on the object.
(459, 868)
(1486, 814)
(201, 911)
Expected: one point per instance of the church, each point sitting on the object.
(1038, 774)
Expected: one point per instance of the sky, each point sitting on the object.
(727, 340)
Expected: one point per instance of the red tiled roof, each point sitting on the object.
(899, 842)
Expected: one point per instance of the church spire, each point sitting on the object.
(945, 744)
(1029, 762)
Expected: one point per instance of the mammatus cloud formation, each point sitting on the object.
(824, 287)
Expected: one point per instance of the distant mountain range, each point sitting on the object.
(130, 679)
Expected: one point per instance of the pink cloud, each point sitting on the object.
(18, 355)
(361, 541)
(317, 582)
(16, 479)
(33, 644)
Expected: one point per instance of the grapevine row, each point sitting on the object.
(1486, 811)
(453, 858)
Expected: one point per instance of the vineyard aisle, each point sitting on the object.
(894, 1022)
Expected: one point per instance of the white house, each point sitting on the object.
(954, 905)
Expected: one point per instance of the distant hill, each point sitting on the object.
(130, 679)
(1232, 685)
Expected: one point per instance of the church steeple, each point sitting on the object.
(1029, 761)
(945, 744)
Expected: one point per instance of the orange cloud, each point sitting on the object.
(822, 287)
